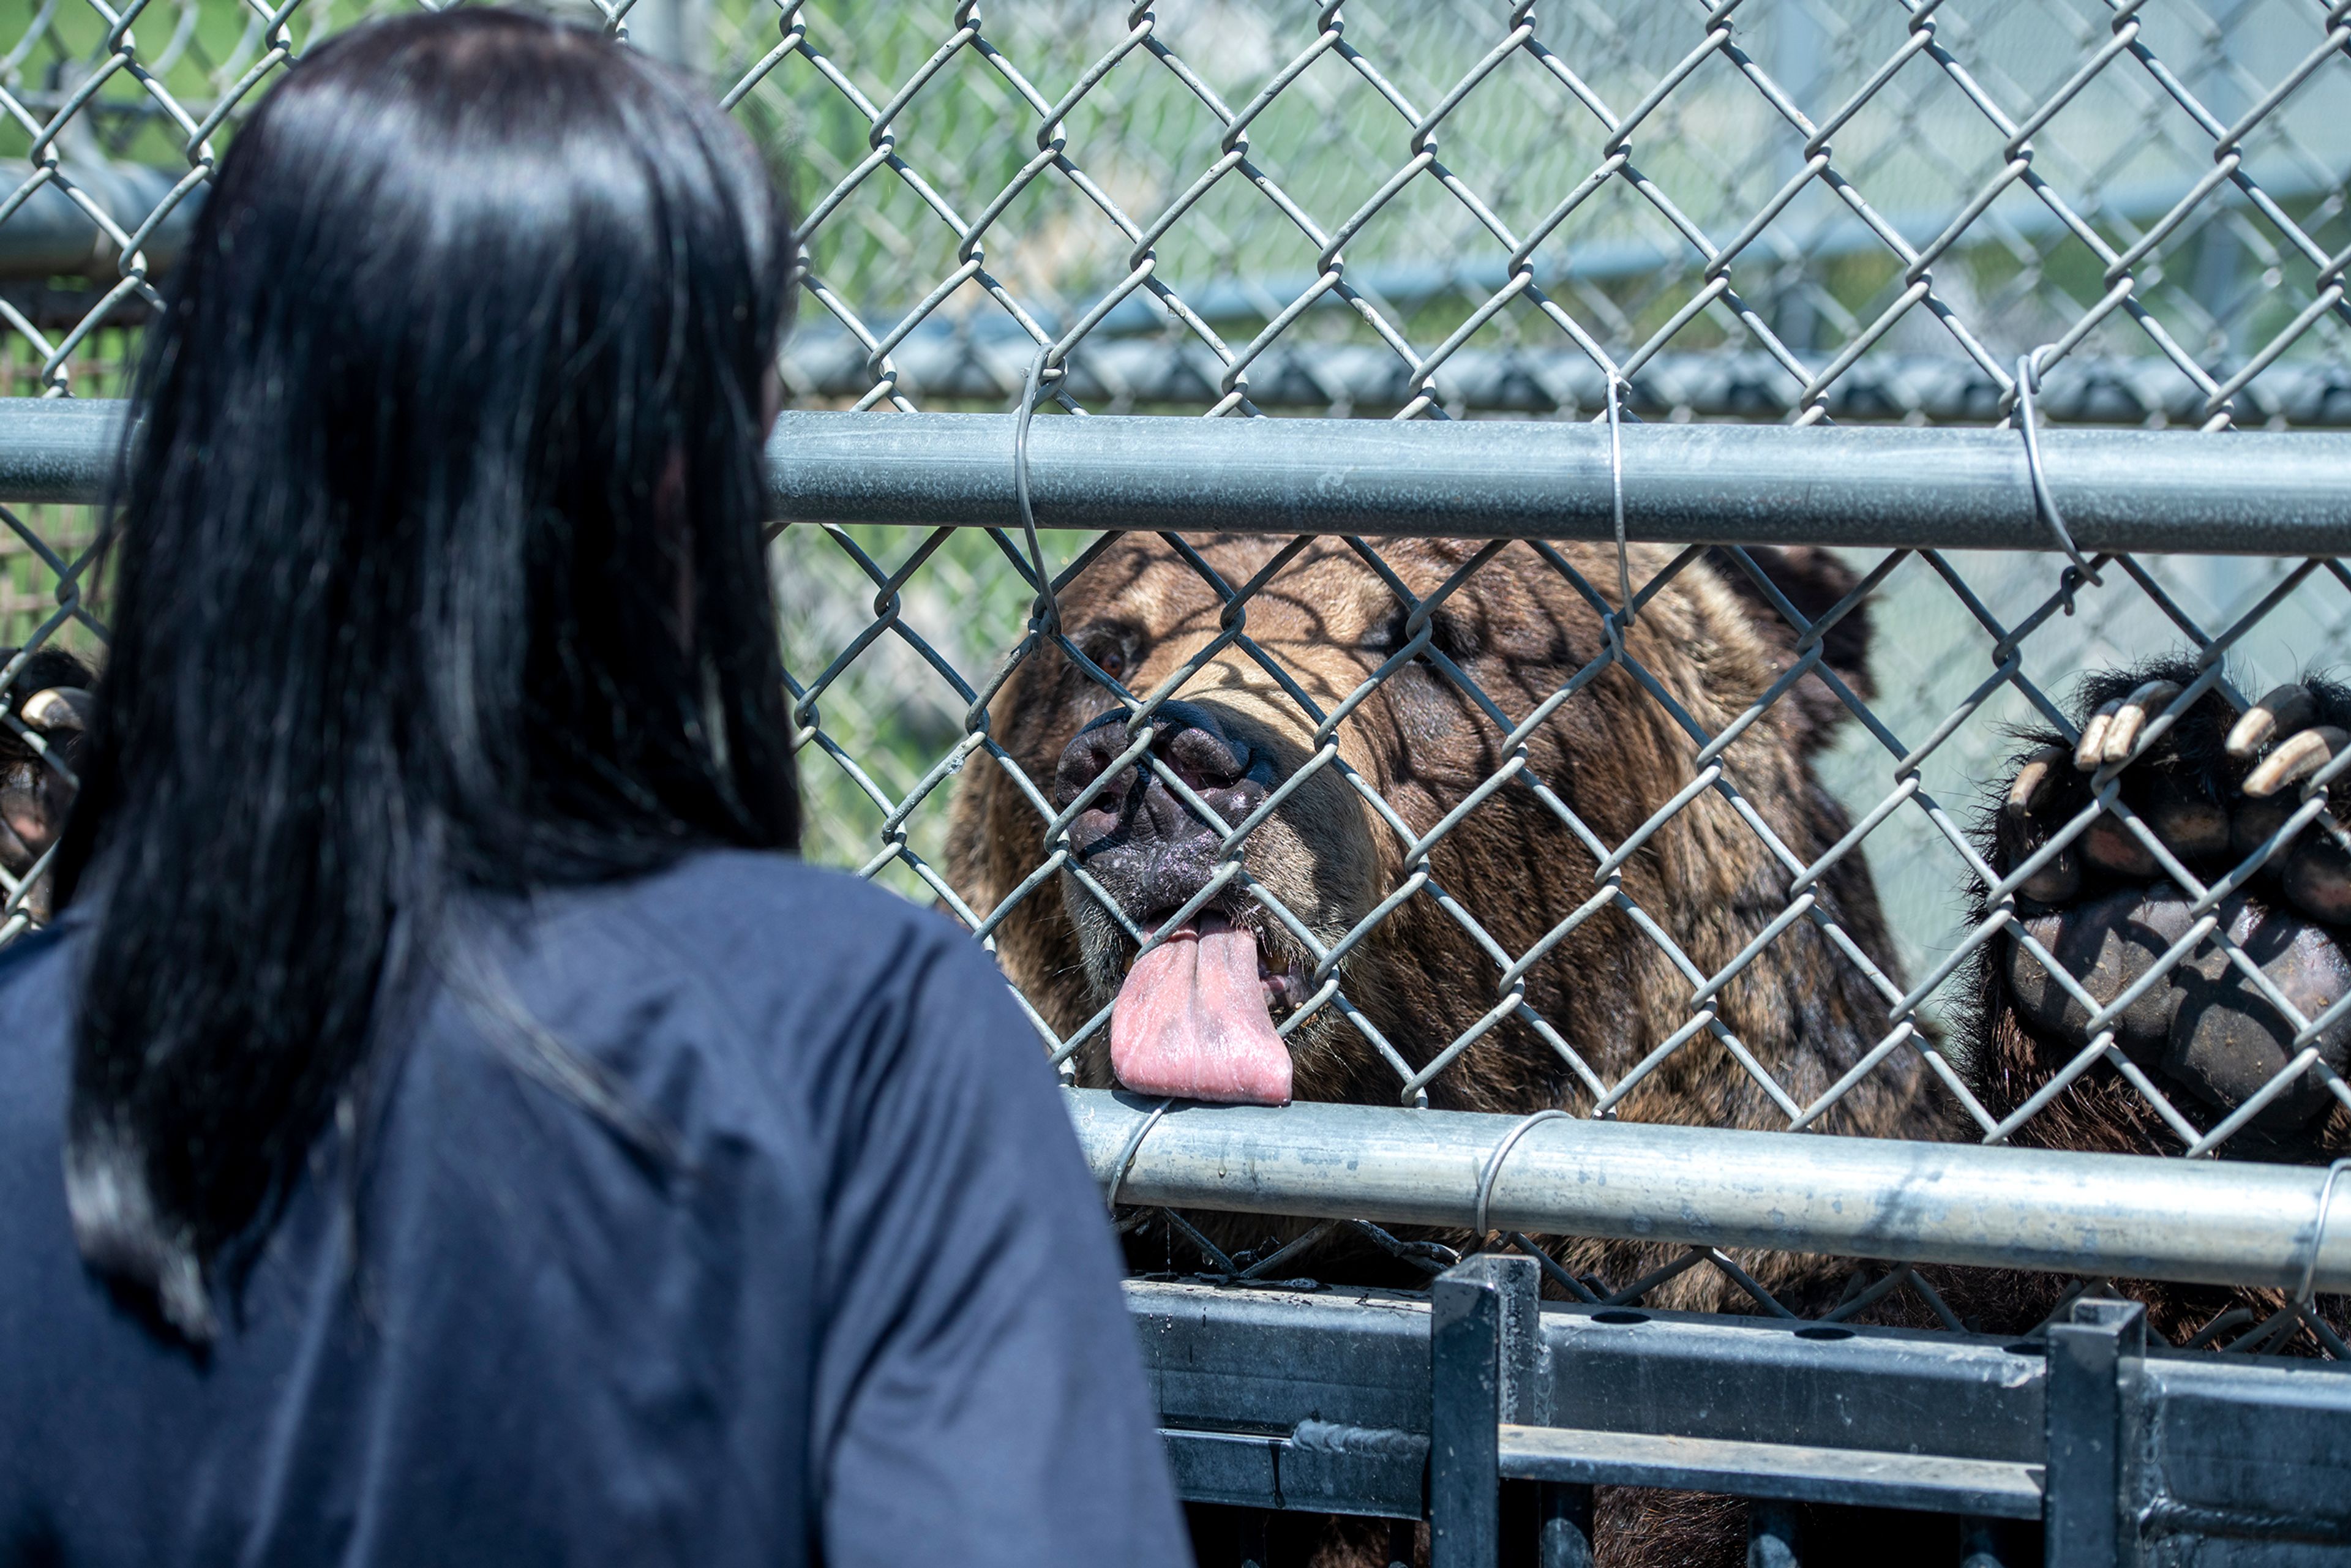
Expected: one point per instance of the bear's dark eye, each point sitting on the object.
(1111, 648)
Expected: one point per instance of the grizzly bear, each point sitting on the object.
(1517, 865)
(1531, 865)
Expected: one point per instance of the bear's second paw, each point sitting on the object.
(2213, 791)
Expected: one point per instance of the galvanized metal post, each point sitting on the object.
(1796, 36)
(1483, 1341)
(1250, 1531)
(1465, 1474)
(671, 31)
(1987, 1543)
(1770, 1534)
(2091, 1359)
(1566, 1526)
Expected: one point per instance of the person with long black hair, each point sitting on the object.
(444, 1123)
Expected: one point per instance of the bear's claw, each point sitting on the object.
(2297, 757)
(2129, 717)
(2288, 708)
(2025, 791)
(2090, 750)
(57, 710)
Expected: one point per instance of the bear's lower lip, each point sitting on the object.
(1285, 988)
(1193, 1017)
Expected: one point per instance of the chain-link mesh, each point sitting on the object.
(1782, 210)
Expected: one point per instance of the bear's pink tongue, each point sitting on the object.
(1191, 1020)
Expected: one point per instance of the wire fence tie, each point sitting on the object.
(2303, 1293)
(2028, 387)
(1501, 1152)
(1047, 610)
(1622, 620)
(1134, 1145)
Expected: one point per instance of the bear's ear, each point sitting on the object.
(1812, 580)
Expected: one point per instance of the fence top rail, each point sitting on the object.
(2200, 1221)
(2248, 493)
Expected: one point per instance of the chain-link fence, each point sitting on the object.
(1494, 797)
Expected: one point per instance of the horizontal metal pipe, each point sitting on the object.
(2212, 1222)
(56, 449)
(1946, 388)
(49, 235)
(2252, 492)
(1817, 233)
(2268, 493)
(1833, 233)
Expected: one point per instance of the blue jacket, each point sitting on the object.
(871, 1318)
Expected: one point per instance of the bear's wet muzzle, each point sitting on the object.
(1193, 1015)
(1138, 838)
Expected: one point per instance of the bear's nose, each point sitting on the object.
(1216, 765)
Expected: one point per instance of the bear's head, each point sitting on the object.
(1410, 828)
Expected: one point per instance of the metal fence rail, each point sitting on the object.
(2101, 1215)
(1736, 485)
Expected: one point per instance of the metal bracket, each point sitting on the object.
(1485, 1345)
(2092, 1371)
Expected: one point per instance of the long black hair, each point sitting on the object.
(438, 567)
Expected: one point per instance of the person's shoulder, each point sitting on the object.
(773, 926)
(805, 961)
(726, 894)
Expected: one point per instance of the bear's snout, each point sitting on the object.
(1149, 846)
